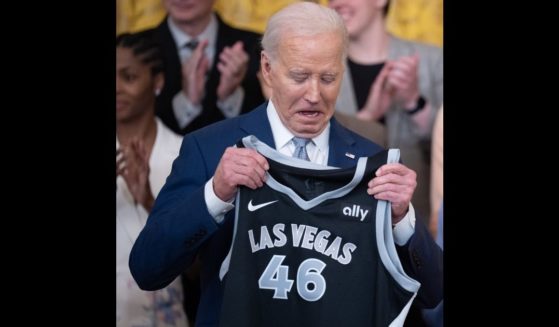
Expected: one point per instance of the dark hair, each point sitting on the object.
(144, 46)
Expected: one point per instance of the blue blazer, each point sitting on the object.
(180, 226)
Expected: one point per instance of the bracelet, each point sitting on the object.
(418, 106)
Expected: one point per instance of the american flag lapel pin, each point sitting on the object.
(350, 155)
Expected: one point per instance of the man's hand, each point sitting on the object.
(395, 183)
(380, 96)
(194, 74)
(233, 63)
(403, 79)
(239, 166)
(133, 165)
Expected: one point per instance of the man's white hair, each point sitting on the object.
(302, 19)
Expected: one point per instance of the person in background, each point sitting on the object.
(396, 82)
(210, 75)
(303, 59)
(437, 172)
(145, 151)
(434, 317)
(210, 67)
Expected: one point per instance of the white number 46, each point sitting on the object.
(275, 277)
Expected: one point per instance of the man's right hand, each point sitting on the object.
(239, 166)
(194, 74)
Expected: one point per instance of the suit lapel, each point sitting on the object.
(222, 38)
(341, 147)
(256, 123)
(173, 65)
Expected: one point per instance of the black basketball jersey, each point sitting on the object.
(312, 248)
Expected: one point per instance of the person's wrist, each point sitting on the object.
(419, 105)
(222, 95)
(396, 220)
(222, 195)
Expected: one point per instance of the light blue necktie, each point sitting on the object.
(301, 148)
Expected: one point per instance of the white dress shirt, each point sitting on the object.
(185, 111)
(318, 153)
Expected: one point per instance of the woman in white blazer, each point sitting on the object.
(145, 152)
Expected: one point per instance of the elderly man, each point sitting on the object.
(303, 63)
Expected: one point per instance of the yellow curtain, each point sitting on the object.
(137, 15)
(251, 14)
(417, 20)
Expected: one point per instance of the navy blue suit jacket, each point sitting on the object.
(180, 226)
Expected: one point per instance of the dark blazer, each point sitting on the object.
(226, 36)
(180, 226)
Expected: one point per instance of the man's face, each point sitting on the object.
(357, 14)
(188, 11)
(305, 79)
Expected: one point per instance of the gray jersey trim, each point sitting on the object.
(225, 264)
(387, 249)
(254, 143)
(334, 194)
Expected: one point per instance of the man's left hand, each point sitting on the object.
(233, 63)
(395, 183)
(403, 78)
